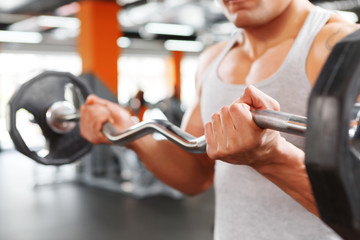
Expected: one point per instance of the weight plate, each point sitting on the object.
(332, 162)
(36, 96)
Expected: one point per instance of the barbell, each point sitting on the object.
(61, 116)
(58, 122)
(331, 131)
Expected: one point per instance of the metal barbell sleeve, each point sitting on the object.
(280, 121)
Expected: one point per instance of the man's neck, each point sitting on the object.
(258, 40)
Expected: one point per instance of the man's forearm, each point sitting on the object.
(189, 173)
(288, 172)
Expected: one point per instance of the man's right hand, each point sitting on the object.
(97, 111)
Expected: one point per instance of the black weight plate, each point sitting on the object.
(333, 168)
(36, 96)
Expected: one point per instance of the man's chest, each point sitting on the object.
(239, 67)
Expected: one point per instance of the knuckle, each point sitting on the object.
(210, 153)
(221, 153)
(215, 116)
(250, 89)
(224, 109)
(234, 108)
(276, 105)
(213, 152)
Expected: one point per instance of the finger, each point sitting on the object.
(98, 124)
(239, 112)
(227, 123)
(217, 128)
(211, 144)
(93, 99)
(219, 136)
(241, 116)
(246, 129)
(91, 121)
(120, 115)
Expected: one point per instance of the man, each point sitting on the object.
(261, 185)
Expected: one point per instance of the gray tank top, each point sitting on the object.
(248, 206)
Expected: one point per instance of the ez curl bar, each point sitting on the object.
(61, 116)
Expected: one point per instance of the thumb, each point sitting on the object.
(258, 100)
(93, 99)
(90, 100)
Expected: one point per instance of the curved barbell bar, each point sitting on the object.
(61, 115)
(163, 127)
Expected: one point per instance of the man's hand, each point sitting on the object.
(97, 111)
(233, 136)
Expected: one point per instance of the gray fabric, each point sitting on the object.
(248, 206)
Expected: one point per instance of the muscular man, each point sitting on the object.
(261, 185)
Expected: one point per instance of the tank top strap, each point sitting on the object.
(315, 21)
(233, 38)
(212, 70)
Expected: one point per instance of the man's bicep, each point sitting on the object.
(323, 44)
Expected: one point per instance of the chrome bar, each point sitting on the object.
(280, 121)
(60, 115)
(73, 117)
(264, 118)
(165, 128)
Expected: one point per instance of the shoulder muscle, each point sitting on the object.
(336, 29)
(205, 60)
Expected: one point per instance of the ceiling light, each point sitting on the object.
(40, 22)
(184, 46)
(169, 29)
(58, 22)
(123, 42)
(20, 37)
(6, 5)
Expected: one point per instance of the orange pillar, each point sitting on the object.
(176, 62)
(97, 41)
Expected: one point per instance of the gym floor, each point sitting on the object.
(69, 210)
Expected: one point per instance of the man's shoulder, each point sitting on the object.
(213, 50)
(336, 29)
(207, 57)
(333, 31)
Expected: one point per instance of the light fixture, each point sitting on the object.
(44, 21)
(184, 46)
(58, 22)
(7, 5)
(123, 42)
(169, 29)
(20, 37)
